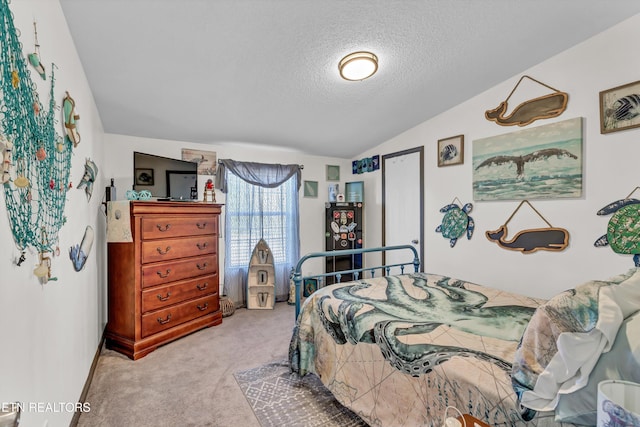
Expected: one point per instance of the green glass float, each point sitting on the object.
(456, 222)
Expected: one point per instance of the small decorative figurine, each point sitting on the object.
(34, 58)
(89, 177)
(71, 119)
(209, 190)
(5, 148)
(43, 269)
(80, 253)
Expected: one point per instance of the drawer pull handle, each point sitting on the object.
(203, 307)
(202, 246)
(163, 229)
(203, 286)
(166, 251)
(165, 275)
(201, 226)
(164, 321)
(202, 267)
(161, 298)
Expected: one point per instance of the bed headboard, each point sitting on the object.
(385, 268)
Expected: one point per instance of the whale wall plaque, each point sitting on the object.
(542, 107)
(542, 162)
(528, 241)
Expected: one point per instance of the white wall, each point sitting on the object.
(119, 161)
(50, 332)
(610, 172)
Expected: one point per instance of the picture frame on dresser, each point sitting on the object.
(144, 176)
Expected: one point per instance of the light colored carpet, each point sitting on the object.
(280, 398)
(190, 382)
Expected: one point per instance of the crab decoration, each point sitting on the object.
(456, 222)
(623, 230)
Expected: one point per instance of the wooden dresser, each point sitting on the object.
(164, 284)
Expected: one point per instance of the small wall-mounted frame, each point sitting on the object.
(333, 173)
(311, 189)
(619, 108)
(354, 191)
(368, 164)
(144, 176)
(451, 151)
(206, 160)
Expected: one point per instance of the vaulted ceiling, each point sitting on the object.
(266, 71)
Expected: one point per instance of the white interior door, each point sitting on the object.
(403, 203)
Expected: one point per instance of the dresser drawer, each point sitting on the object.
(159, 227)
(165, 295)
(183, 247)
(170, 271)
(169, 317)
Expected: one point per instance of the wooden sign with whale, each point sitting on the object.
(542, 107)
(528, 241)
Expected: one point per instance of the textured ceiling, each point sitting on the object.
(265, 71)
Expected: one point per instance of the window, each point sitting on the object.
(254, 212)
(264, 212)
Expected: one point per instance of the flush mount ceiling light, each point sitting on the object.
(358, 66)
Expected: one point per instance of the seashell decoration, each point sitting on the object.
(21, 182)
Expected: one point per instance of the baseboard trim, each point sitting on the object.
(87, 383)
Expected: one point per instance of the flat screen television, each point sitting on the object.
(164, 177)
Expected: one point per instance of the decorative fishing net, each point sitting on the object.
(40, 160)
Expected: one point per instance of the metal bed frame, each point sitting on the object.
(298, 278)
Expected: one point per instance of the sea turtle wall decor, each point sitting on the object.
(623, 230)
(456, 222)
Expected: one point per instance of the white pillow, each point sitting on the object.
(622, 362)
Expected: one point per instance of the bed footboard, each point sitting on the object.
(385, 268)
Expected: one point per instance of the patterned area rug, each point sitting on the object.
(280, 398)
